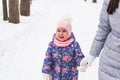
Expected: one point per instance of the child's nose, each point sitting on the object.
(61, 33)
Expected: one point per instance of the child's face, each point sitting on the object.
(62, 34)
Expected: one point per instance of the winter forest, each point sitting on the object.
(26, 28)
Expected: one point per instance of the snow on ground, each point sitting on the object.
(23, 45)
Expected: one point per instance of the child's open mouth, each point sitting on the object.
(61, 37)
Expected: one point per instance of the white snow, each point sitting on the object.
(23, 45)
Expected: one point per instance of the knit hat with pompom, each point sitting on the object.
(66, 24)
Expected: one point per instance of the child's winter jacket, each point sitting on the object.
(61, 62)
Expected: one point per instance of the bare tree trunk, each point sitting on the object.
(14, 11)
(5, 14)
(25, 7)
(94, 1)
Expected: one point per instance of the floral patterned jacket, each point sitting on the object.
(61, 62)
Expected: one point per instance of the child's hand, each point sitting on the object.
(82, 68)
(87, 60)
(45, 76)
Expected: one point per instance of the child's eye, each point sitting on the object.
(64, 31)
(58, 30)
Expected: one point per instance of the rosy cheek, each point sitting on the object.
(66, 37)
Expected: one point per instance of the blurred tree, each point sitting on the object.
(25, 7)
(5, 14)
(94, 1)
(14, 11)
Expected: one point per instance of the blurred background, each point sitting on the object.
(23, 45)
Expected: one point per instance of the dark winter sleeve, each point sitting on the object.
(47, 65)
(78, 54)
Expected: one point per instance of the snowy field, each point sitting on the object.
(23, 45)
